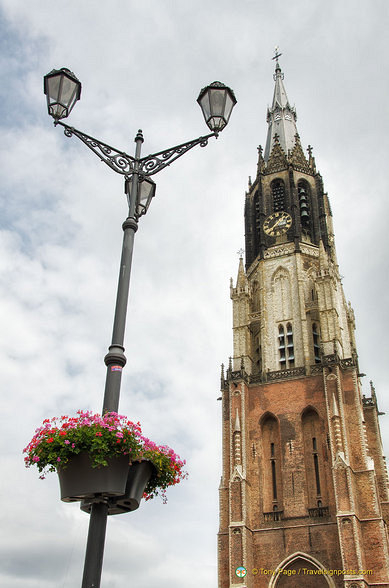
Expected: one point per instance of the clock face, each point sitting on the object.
(277, 223)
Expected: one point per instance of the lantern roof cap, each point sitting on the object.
(215, 84)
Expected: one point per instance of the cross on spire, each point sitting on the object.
(278, 73)
(277, 53)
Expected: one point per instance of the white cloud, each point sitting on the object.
(142, 65)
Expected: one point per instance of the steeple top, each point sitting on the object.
(281, 116)
(279, 98)
(277, 54)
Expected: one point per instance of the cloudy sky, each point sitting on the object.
(142, 65)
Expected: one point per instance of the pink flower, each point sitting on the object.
(58, 459)
(67, 442)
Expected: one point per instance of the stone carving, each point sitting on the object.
(286, 249)
(312, 251)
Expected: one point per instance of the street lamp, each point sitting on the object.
(217, 102)
(62, 90)
(146, 192)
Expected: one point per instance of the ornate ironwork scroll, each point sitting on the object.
(156, 161)
(119, 161)
(126, 165)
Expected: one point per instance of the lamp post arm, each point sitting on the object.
(152, 164)
(119, 161)
(124, 164)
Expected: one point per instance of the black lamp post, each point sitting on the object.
(63, 89)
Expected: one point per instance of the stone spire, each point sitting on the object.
(241, 279)
(281, 117)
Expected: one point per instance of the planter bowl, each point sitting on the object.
(79, 480)
(139, 473)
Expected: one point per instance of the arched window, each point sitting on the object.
(285, 346)
(296, 563)
(281, 347)
(314, 460)
(316, 343)
(289, 345)
(273, 473)
(278, 192)
(271, 468)
(316, 465)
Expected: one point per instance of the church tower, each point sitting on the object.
(304, 498)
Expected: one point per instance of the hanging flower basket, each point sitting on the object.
(98, 455)
(139, 474)
(79, 480)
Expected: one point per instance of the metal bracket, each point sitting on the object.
(124, 164)
(153, 163)
(119, 161)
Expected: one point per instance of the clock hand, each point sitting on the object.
(278, 222)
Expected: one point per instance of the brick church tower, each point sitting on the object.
(304, 498)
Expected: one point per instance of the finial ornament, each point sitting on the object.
(240, 253)
(277, 53)
(278, 73)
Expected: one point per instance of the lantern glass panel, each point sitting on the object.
(228, 106)
(217, 99)
(53, 84)
(205, 106)
(146, 192)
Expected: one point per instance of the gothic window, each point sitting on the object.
(292, 567)
(282, 295)
(289, 345)
(274, 478)
(285, 346)
(278, 192)
(305, 213)
(313, 458)
(316, 343)
(316, 465)
(273, 473)
(271, 465)
(281, 346)
(311, 300)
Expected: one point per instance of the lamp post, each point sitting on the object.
(63, 90)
